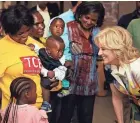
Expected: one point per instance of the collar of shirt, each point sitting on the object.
(118, 71)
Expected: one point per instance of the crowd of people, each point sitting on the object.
(49, 70)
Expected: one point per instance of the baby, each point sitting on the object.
(53, 68)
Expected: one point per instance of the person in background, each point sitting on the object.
(6, 4)
(43, 10)
(133, 28)
(37, 30)
(116, 47)
(89, 17)
(53, 12)
(24, 91)
(126, 19)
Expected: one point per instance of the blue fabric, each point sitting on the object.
(96, 50)
(67, 17)
(65, 83)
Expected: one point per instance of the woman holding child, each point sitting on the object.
(16, 58)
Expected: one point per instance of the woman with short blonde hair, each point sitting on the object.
(116, 47)
(119, 41)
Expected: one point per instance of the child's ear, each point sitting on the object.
(27, 95)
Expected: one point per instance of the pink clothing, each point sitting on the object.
(28, 114)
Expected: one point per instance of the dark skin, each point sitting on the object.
(87, 22)
(22, 35)
(28, 96)
(37, 30)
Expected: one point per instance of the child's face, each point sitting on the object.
(32, 94)
(57, 28)
(57, 51)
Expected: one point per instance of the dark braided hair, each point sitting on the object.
(17, 87)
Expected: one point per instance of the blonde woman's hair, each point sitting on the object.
(119, 40)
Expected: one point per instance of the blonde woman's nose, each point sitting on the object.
(100, 52)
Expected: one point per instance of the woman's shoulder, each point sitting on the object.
(35, 111)
(72, 23)
(134, 65)
(33, 41)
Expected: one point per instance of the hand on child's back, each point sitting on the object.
(32, 46)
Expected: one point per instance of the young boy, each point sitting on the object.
(53, 68)
(56, 29)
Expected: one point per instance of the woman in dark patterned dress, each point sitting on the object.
(88, 18)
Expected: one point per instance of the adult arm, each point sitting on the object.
(117, 101)
(75, 7)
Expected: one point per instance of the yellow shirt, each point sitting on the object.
(18, 60)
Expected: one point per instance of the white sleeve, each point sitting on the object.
(60, 72)
(44, 71)
(36, 49)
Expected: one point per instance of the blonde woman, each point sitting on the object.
(115, 46)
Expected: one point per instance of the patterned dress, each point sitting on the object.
(84, 80)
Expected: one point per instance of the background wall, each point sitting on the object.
(123, 7)
(114, 9)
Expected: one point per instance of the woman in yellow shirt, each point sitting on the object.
(16, 59)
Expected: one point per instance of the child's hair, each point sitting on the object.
(55, 38)
(56, 19)
(17, 87)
